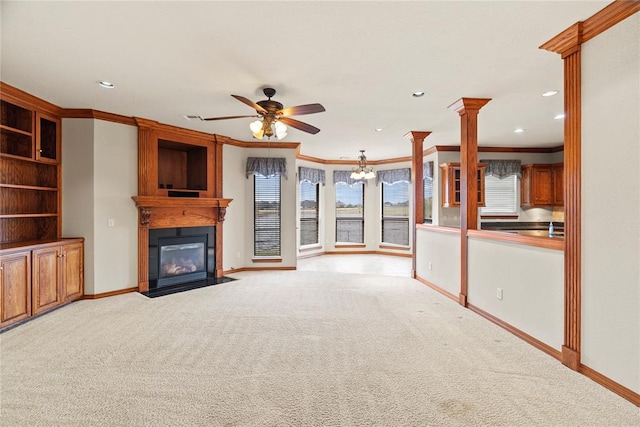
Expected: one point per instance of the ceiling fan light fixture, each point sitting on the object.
(256, 126)
(280, 130)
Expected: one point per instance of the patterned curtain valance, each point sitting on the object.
(314, 176)
(503, 168)
(393, 175)
(267, 166)
(427, 170)
(345, 176)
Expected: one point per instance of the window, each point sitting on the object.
(309, 199)
(350, 213)
(266, 216)
(427, 192)
(395, 213)
(500, 195)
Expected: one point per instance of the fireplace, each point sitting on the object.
(180, 255)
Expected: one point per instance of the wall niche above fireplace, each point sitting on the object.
(182, 169)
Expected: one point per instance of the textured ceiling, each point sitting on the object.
(361, 60)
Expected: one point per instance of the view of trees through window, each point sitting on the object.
(309, 199)
(395, 213)
(266, 218)
(350, 213)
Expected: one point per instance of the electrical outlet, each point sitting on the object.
(111, 222)
(499, 293)
(430, 266)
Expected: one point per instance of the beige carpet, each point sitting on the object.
(289, 348)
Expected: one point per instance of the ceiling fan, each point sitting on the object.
(273, 116)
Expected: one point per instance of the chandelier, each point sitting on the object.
(268, 127)
(362, 171)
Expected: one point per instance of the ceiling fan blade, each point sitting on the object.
(305, 127)
(301, 109)
(229, 117)
(250, 103)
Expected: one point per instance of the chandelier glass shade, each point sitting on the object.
(362, 171)
(268, 128)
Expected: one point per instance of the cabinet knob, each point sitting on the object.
(1, 268)
(40, 151)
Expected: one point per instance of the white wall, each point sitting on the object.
(240, 188)
(611, 203)
(115, 181)
(532, 283)
(78, 190)
(233, 187)
(442, 250)
(100, 172)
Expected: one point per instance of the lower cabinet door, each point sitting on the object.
(72, 271)
(15, 287)
(46, 275)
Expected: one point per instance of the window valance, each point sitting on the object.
(314, 176)
(345, 176)
(427, 170)
(503, 168)
(393, 175)
(267, 166)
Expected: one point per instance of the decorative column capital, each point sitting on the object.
(567, 42)
(464, 105)
(414, 135)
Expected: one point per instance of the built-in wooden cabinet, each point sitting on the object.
(557, 171)
(451, 184)
(29, 174)
(542, 185)
(39, 277)
(15, 287)
(39, 269)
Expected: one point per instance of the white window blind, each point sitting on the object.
(500, 195)
(266, 216)
(309, 196)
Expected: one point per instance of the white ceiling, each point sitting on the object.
(361, 60)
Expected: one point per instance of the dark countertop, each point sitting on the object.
(537, 229)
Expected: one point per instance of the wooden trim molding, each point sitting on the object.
(437, 288)
(438, 228)
(22, 98)
(82, 113)
(267, 260)
(517, 332)
(110, 294)
(540, 242)
(618, 389)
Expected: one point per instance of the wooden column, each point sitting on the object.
(468, 109)
(417, 143)
(568, 45)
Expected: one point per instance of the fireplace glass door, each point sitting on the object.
(182, 259)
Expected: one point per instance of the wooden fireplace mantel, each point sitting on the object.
(159, 212)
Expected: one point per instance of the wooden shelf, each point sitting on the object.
(10, 129)
(30, 215)
(28, 187)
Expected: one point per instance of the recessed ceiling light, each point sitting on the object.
(550, 93)
(378, 129)
(519, 130)
(559, 116)
(106, 85)
(417, 94)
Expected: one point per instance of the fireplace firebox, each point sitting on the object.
(181, 255)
